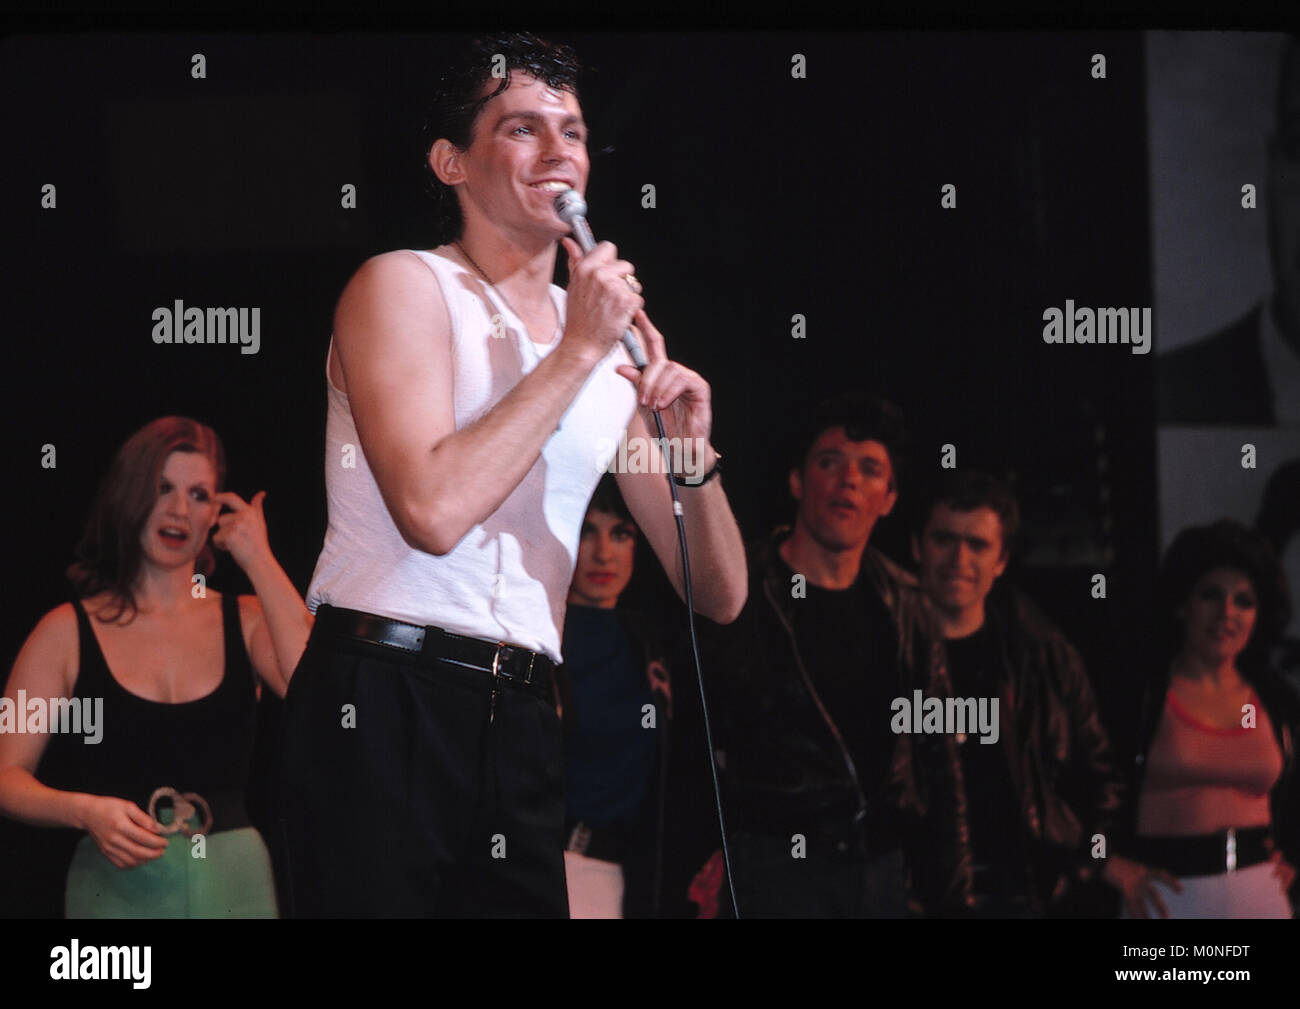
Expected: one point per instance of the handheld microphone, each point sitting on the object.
(572, 210)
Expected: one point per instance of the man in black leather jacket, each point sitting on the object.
(1043, 793)
(833, 814)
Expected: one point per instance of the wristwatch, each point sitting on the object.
(682, 481)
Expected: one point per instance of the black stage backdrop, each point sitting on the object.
(774, 196)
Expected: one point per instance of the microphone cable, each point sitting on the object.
(695, 655)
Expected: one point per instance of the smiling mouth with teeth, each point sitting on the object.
(551, 187)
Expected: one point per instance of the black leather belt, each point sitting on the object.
(432, 644)
(1206, 854)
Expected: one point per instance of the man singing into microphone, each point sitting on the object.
(469, 400)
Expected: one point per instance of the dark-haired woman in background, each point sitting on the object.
(171, 666)
(1216, 795)
(616, 705)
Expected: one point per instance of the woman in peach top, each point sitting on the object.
(1216, 798)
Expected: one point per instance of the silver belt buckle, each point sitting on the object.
(496, 663)
(1232, 850)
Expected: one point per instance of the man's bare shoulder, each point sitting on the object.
(395, 298)
(402, 267)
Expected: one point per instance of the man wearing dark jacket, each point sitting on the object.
(833, 814)
(1049, 784)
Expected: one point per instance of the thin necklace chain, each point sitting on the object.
(483, 273)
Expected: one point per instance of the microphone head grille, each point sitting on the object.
(570, 204)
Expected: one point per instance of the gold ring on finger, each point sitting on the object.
(633, 283)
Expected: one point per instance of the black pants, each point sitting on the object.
(399, 798)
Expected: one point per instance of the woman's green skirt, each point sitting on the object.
(232, 880)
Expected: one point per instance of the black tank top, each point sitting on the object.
(202, 746)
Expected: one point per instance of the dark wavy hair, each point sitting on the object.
(1223, 544)
(609, 499)
(109, 555)
(965, 490)
(458, 98)
(864, 418)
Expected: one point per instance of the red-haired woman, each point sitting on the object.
(162, 673)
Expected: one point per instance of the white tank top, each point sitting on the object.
(508, 578)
